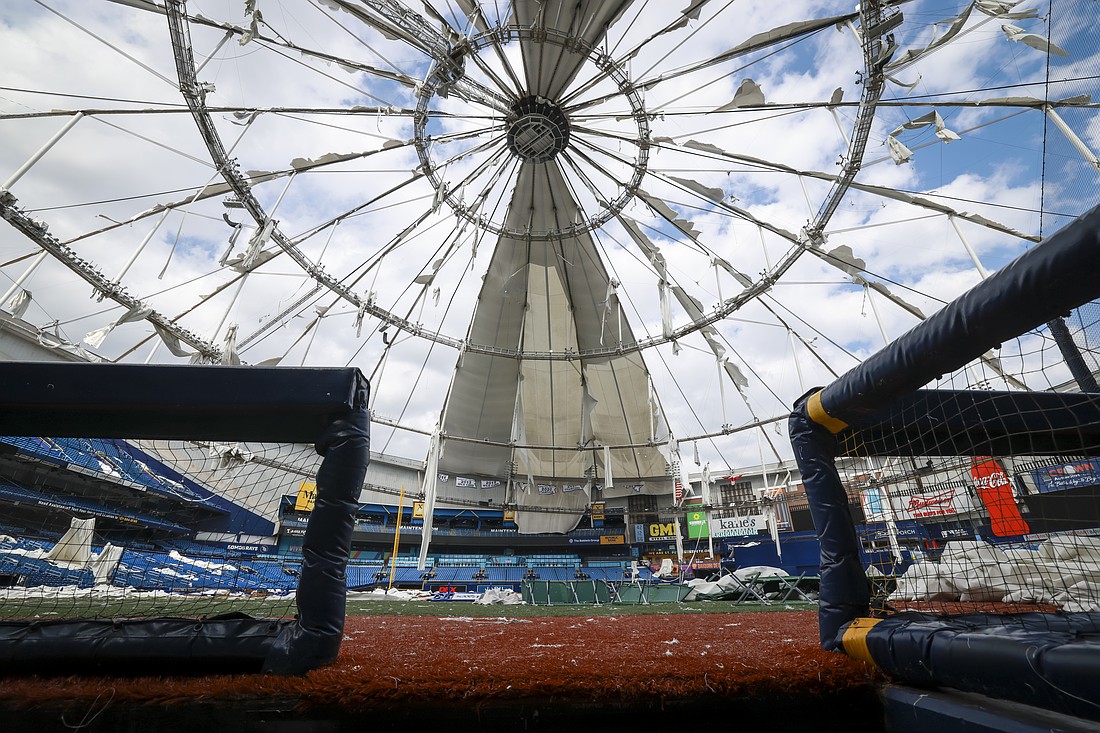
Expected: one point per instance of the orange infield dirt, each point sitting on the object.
(411, 664)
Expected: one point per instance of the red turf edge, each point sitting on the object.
(392, 659)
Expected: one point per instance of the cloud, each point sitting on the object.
(371, 219)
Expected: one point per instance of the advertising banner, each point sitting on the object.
(660, 531)
(418, 510)
(597, 513)
(246, 548)
(936, 504)
(612, 539)
(1067, 476)
(994, 489)
(737, 526)
(307, 496)
(697, 524)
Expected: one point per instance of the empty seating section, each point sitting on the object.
(280, 573)
(192, 567)
(180, 564)
(471, 560)
(361, 577)
(175, 573)
(21, 558)
(111, 460)
(506, 575)
(11, 491)
(537, 560)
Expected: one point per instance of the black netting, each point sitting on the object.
(107, 528)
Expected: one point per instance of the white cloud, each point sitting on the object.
(992, 171)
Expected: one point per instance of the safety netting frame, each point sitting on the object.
(326, 407)
(1046, 660)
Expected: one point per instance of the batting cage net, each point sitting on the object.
(959, 523)
(101, 528)
(152, 542)
(946, 529)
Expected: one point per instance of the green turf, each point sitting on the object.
(444, 608)
(199, 606)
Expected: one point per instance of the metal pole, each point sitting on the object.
(1076, 141)
(1086, 380)
(23, 278)
(396, 537)
(41, 151)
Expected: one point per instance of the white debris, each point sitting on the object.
(499, 597)
(1063, 571)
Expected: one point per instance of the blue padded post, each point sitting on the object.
(844, 593)
(314, 640)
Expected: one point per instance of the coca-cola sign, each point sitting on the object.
(995, 491)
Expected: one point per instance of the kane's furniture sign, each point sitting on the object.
(737, 526)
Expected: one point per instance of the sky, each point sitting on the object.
(316, 81)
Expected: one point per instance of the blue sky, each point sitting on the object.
(389, 231)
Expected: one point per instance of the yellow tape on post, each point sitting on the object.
(855, 638)
(817, 413)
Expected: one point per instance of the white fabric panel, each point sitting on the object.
(95, 338)
(19, 303)
(482, 400)
(553, 296)
(75, 546)
(429, 489)
(549, 68)
(551, 495)
(623, 415)
(626, 487)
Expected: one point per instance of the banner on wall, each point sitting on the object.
(597, 513)
(307, 496)
(995, 490)
(658, 531)
(874, 505)
(938, 504)
(1067, 476)
(697, 524)
(418, 510)
(738, 526)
